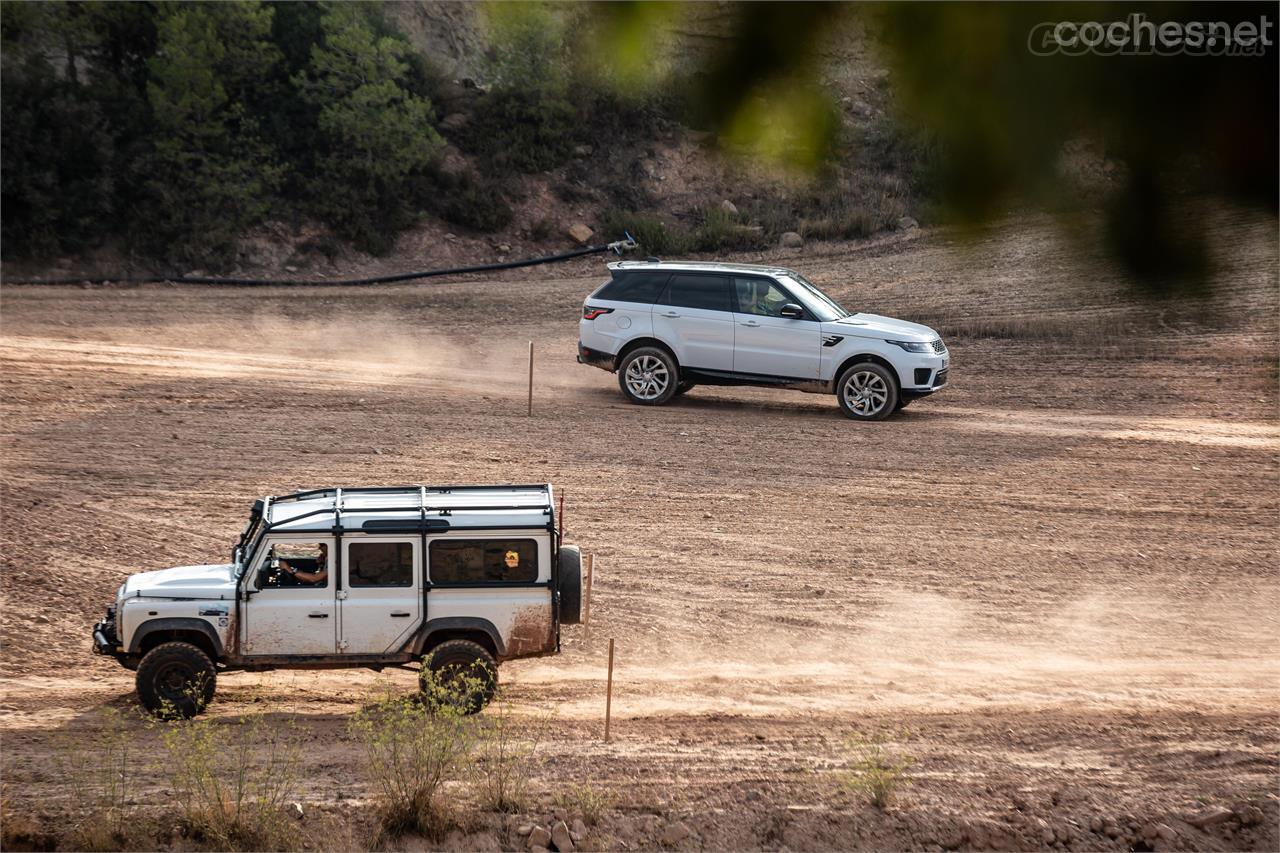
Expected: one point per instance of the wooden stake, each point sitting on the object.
(530, 378)
(586, 598)
(608, 694)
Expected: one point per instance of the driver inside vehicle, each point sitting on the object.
(317, 577)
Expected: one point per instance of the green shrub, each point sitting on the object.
(518, 131)
(591, 802)
(506, 745)
(101, 772)
(472, 202)
(233, 780)
(876, 769)
(652, 233)
(412, 746)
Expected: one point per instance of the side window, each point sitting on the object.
(642, 287)
(759, 296)
(484, 561)
(380, 564)
(294, 564)
(709, 292)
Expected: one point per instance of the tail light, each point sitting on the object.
(590, 313)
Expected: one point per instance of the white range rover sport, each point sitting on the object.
(665, 327)
(457, 578)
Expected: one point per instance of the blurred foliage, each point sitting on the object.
(1187, 132)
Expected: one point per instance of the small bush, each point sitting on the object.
(412, 746)
(471, 202)
(506, 744)
(542, 228)
(100, 772)
(875, 769)
(653, 235)
(522, 131)
(232, 781)
(591, 802)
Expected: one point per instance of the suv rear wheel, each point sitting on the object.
(175, 681)
(648, 376)
(867, 392)
(464, 672)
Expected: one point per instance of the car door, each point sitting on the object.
(765, 343)
(693, 317)
(381, 600)
(284, 615)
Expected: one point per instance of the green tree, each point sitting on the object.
(56, 177)
(527, 122)
(376, 135)
(211, 174)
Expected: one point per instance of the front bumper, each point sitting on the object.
(924, 374)
(105, 639)
(595, 358)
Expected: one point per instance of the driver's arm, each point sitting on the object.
(310, 577)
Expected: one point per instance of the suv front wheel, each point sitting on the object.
(648, 376)
(867, 392)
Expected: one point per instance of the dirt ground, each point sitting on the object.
(1053, 585)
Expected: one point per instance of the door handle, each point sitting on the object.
(318, 615)
(397, 614)
(670, 314)
(751, 323)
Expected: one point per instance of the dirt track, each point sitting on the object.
(1060, 574)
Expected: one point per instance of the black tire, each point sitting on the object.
(652, 369)
(176, 681)
(867, 391)
(684, 388)
(464, 658)
(570, 584)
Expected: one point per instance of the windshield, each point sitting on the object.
(822, 305)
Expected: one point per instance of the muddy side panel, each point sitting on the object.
(467, 581)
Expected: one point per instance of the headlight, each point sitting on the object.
(914, 346)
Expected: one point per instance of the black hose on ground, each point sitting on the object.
(616, 246)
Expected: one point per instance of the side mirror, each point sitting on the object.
(792, 311)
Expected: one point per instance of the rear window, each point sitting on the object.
(483, 560)
(709, 292)
(641, 287)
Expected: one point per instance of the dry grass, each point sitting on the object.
(232, 781)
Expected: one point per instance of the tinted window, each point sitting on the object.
(483, 560)
(641, 287)
(380, 564)
(710, 292)
(760, 296)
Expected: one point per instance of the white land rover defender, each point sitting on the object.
(455, 577)
(667, 326)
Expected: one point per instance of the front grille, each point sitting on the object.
(941, 378)
(939, 347)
